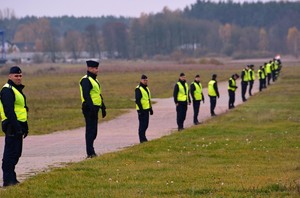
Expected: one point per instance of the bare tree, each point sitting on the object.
(263, 40)
(115, 38)
(73, 42)
(7, 14)
(25, 33)
(50, 43)
(92, 41)
(293, 41)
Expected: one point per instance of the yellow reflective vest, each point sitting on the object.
(198, 91)
(276, 66)
(146, 99)
(246, 75)
(268, 68)
(261, 74)
(95, 92)
(251, 74)
(182, 95)
(211, 89)
(233, 84)
(19, 107)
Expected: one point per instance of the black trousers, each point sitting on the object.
(244, 89)
(91, 126)
(213, 103)
(261, 84)
(12, 153)
(269, 75)
(181, 110)
(273, 75)
(231, 99)
(196, 107)
(251, 82)
(264, 83)
(143, 125)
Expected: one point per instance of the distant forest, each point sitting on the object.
(239, 30)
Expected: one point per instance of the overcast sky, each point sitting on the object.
(132, 8)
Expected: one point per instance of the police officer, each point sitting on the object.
(92, 101)
(276, 69)
(213, 93)
(268, 71)
(143, 106)
(265, 74)
(231, 90)
(279, 65)
(273, 70)
(197, 96)
(13, 110)
(261, 77)
(244, 82)
(181, 99)
(251, 78)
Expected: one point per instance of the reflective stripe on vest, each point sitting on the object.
(145, 100)
(198, 91)
(95, 92)
(19, 106)
(233, 83)
(211, 89)
(182, 93)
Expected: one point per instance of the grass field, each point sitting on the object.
(253, 151)
(52, 91)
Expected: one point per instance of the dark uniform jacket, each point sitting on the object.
(138, 96)
(11, 124)
(244, 73)
(88, 105)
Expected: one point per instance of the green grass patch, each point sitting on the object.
(253, 151)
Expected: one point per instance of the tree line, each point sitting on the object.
(201, 29)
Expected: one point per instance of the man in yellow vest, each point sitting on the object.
(265, 74)
(279, 65)
(181, 99)
(92, 101)
(276, 68)
(273, 70)
(262, 77)
(269, 71)
(213, 93)
(197, 96)
(143, 107)
(244, 82)
(251, 78)
(231, 90)
(13, 110)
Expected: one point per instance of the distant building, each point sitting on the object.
(9, 47)
(26, 46)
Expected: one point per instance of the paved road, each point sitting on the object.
(44, 151)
